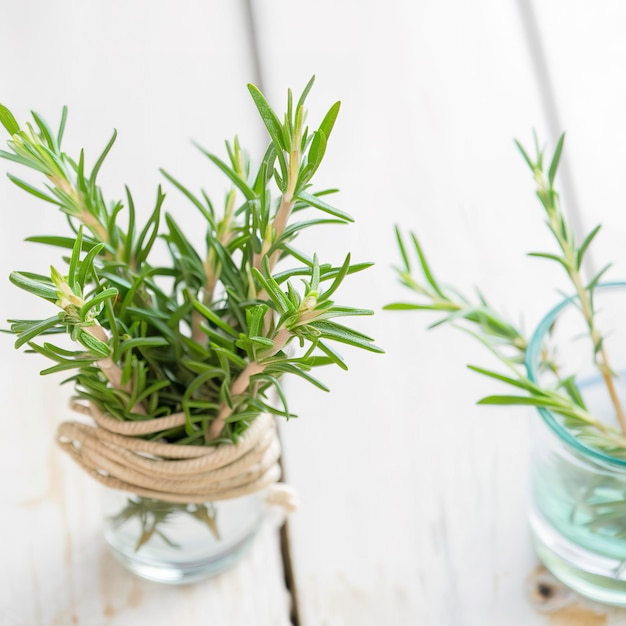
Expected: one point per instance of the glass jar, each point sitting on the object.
(179, 543)
(578, 509)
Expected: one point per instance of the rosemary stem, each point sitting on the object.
(279, 224)
(602, 359)
(242, 383)
(284, 211)
(111, 370)
(564, 237)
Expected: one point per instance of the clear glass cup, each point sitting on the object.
(179, 543)
(578, 510)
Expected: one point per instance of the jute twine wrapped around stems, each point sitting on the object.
(110, 452)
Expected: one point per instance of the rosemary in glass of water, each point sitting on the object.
(504, 338)
(578, 467)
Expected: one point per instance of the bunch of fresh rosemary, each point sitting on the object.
(207, 333)
(507, 342)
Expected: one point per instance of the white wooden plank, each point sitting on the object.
(161, 73)
(56, 569)
(414, 500)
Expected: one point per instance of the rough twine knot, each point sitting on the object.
(110, 452)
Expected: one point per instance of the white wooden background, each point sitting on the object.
(414, 499)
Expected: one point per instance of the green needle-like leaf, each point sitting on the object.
(97, 347)
(37, 285)
(555, 159)
(8, 121)
(36, 329)
(98, 299)
(328, 122)
(585, 245)
(521, 401)
(234, 177)
(102, 157)
(314, 201)
(33, 191)
(503, 339)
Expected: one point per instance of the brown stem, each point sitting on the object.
(608, 379)
(287, 202)
(279, 225)
(602, 358)
(242, 384)
(111, 370)
(212, 272)
(284, 211)
(94, 226)
(196, 332)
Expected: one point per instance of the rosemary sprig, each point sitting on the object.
(213, 343)
(571, 260)
(506, 341)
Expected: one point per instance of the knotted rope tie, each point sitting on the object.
(110, 452)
